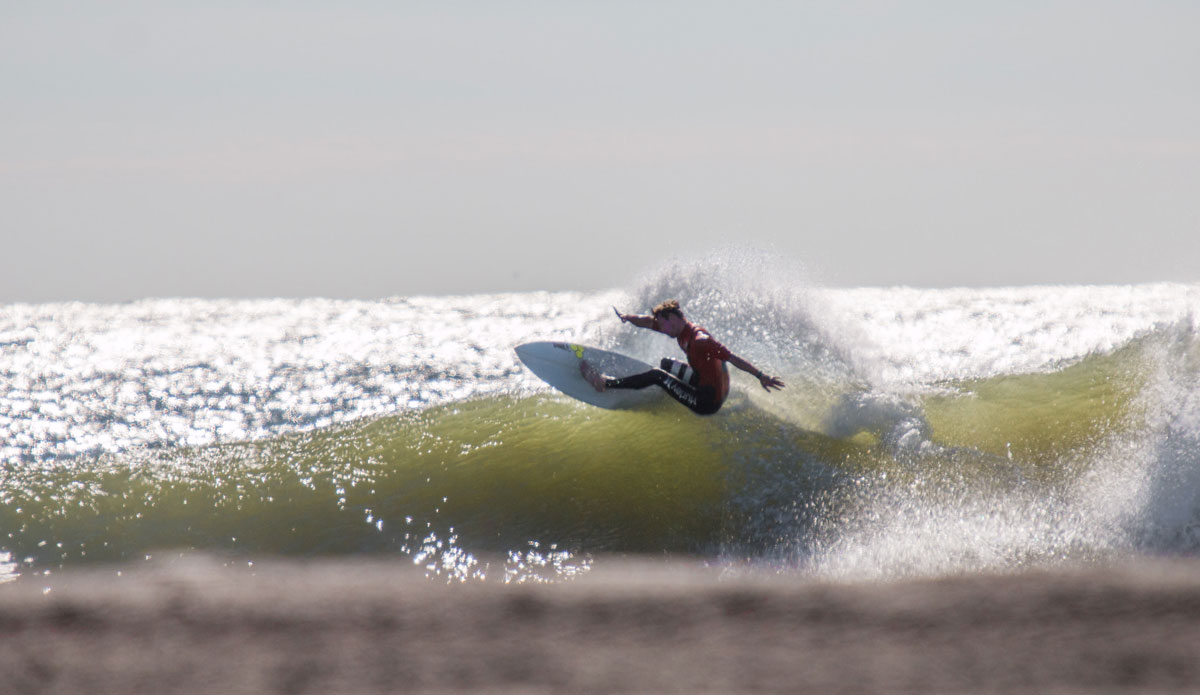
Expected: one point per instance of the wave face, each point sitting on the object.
(922, 431)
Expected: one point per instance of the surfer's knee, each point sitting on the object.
(680, 370)
(706, 402)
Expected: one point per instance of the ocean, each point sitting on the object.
(923, 432)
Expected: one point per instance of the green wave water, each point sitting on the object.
(497, 475)
(922, 431)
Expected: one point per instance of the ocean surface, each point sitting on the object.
(922, 432)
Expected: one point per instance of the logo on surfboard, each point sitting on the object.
(577, 349)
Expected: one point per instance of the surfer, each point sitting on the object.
(702, 383)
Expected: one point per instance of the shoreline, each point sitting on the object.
(328, 626)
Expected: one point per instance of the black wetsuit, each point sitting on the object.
(702, 400)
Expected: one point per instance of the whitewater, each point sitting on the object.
(923, 431)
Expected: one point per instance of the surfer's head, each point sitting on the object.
(667, 308)
(669, 317)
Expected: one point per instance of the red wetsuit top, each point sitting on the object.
(707, 357)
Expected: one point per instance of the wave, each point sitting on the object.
(1095, 457)
(496, 474)
(920, 431)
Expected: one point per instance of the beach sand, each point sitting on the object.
(207, 625)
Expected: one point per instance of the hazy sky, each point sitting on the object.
(367, 149)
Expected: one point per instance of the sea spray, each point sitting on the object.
(921, 432)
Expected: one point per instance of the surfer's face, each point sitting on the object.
(671, 324)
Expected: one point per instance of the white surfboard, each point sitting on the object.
(558, 365)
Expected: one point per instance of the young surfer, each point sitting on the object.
(702, 383)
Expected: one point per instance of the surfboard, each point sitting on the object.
(557, 364)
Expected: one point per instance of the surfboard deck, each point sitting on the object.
(557, 364)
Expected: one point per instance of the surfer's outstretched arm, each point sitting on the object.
(768, 382)
(635, 319)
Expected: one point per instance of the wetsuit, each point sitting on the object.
(701, 385)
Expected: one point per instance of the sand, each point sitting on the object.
(201, 626)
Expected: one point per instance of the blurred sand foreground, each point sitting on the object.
(197, 626)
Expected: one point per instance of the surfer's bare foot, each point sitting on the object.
(595, 378)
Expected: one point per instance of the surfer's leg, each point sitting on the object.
(700, 399)
(680, 370)
(653, 377)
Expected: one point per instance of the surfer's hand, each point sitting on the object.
(769, 382)
(623, 317)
